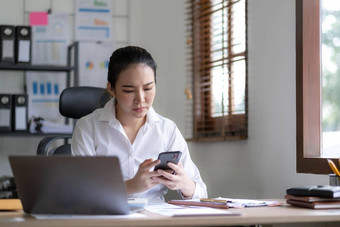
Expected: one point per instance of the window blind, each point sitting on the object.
(217, 70)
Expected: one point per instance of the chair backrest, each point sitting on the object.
(74, 102)
(47, 141)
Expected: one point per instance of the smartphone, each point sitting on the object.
(169, 156)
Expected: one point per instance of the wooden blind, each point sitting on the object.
(217, 69)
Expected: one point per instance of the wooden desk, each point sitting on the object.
(249, 216)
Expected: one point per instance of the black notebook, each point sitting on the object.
(325, 191)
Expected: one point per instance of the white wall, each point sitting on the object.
(262, 166)
(158, 26)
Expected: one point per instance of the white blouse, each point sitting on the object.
(100, 133)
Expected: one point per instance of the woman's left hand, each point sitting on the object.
(178, 180)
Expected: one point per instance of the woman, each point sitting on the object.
(129, 128)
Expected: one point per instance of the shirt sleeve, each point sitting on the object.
(82, 141)
(177, 142)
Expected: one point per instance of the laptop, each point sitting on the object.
(70, 185)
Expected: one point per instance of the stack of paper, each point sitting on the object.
(137, 204)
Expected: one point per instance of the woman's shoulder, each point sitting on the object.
(164, 121)
(170, 131)
(90, 118)
(157, 117)
(103, 113)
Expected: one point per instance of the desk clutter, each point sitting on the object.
(15, 44)
(314, 196)
(8, 188)
(40, 125)
(9, 199)
(225, 203)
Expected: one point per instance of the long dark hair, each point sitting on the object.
(124, 57)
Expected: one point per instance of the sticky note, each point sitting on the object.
(38, 18)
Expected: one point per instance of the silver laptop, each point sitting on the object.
(70, 185)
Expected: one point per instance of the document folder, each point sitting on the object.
(5, 113)
(20, 113)
(10, 204)
(23, 44)
(7, 44)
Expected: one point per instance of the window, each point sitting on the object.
(330, 54)
(308, 88)
(217, 50)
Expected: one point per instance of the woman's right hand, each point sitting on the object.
(143, 180)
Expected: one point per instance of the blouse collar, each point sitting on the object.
(109, 114)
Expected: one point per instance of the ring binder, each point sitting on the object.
(23, 44)
(7, 44)
(5, 112)
(20, 113)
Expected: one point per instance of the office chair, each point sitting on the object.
(74, 102)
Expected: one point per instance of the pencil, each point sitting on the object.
(214, 200)
(333, 167)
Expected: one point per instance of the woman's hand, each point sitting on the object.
(178, 180)
(144, 178)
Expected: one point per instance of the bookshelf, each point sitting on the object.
(71, 67)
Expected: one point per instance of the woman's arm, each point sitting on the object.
(187, 179)
(82, 142)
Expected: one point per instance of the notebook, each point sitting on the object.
(326, 191)
(316, 204)
(70, 185)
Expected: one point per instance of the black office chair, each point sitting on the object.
(74, 102)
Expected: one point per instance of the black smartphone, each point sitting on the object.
(169, 156)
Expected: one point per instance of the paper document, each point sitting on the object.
(239, 203)
(224, 203)
(93, 20)
(44, 89)
(181, 211)
(50, 42)
(137, 204)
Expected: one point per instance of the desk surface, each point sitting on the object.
(256, 215)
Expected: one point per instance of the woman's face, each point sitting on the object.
(135, 91)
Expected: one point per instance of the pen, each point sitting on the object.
(214, 200)
(333, 167)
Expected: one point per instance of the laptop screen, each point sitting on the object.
(70, 185)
